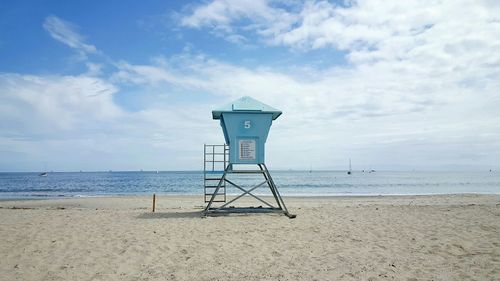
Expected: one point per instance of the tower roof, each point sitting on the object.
(247, 105)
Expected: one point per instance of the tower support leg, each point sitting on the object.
(268, 179)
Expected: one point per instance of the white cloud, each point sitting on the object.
(339, 99)
(417, 66)
(221, 14)
(65, 32)
(48, 104)
(420, 89)
(223, 17)
(372, 114)
(74, 122)
(404, 56)
(368, 30)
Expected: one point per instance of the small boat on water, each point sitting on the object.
(350, 170)
(44, 174)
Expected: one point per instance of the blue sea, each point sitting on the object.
(290, 183)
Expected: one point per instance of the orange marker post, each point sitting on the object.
(154, 202)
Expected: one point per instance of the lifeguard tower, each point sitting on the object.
(245, 124)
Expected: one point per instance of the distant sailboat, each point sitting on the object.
(44, 174)
(350, 170)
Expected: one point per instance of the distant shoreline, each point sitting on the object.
(340, 196)
(30, 186)
(486, 170)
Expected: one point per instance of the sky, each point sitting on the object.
(130, 85)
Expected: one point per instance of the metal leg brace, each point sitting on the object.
(268, 180)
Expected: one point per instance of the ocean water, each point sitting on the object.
(290, 183)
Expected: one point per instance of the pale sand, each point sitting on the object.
(452, 237)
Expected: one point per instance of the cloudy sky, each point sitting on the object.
(129, 85)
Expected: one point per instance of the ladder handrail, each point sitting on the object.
(214, 155)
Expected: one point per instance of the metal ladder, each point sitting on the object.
(215, 161)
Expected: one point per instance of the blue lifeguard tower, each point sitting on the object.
(245, 124)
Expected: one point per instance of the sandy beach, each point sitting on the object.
(444, 237)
